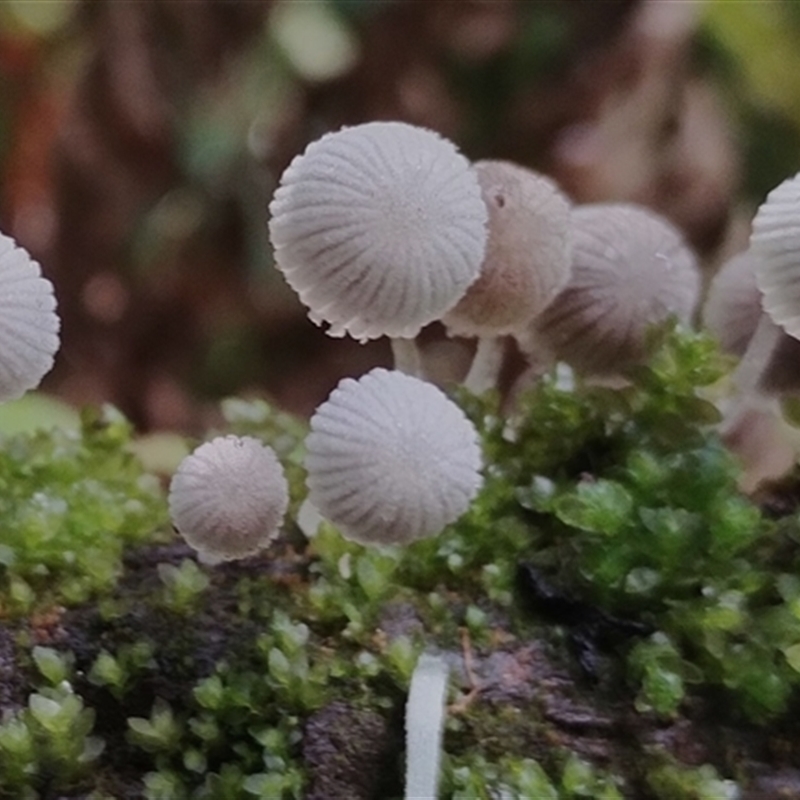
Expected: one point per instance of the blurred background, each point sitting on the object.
(140, 143)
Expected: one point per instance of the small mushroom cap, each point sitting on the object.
(528, 256)
(29, 323)
(379, 228)
(228, 498)
(775, 243)
(733, 306)
(631, 271)
(391, 459)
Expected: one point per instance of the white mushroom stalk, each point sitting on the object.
(29, 324)
(228, 498)
(632, 270)
(391, 459)
(425, 716)
(528, 261)
(379, 228)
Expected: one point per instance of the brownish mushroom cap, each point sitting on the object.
(527, 257)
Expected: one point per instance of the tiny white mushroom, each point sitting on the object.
(391, 459)
(527, 262)
(379, 228)
(632, 270)
(228, 498)
(29, 323)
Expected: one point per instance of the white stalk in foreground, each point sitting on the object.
(425, 726)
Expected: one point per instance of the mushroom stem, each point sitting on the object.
(540, 360)
(750, 401)
(407, 357)
(756, 358)
(487, 362)
(425, 726)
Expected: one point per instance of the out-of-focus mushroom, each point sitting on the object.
(768, 366)
(228, 498)
(527, 262)
(631, 271)
(775, 253)
(379, 228)
(29, 323)
(391, 459)
(733, 307)
(775, 242)
(732, 314)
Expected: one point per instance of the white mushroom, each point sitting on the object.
(29, 323)
(775, 243)
(632, 270)
(228, 498)
(775, 253)
(391, 459)
(527, 262)
(379, 228)
(768, 365)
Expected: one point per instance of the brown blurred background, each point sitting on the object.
(140, 143)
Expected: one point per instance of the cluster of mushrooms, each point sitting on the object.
(382, 229)
(385, 228)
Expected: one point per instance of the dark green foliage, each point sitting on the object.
(638, 511)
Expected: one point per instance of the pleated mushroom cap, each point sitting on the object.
(228, 498)
(775, 244)
(733, 306)
(391, 459)
(379, 228)
(528, 256)
(29, 323)
(631, 270)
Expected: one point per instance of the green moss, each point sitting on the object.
(201, 680)
(70, 502)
